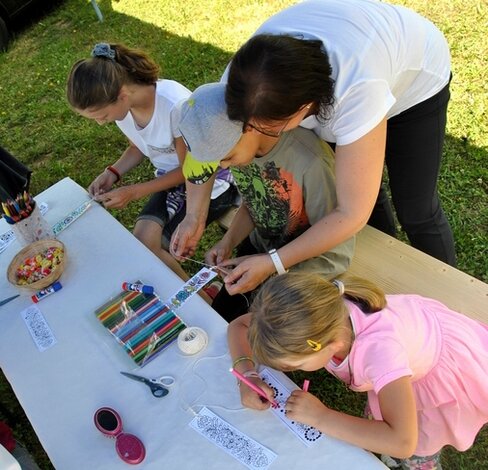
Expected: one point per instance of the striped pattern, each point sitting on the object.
(151, 328)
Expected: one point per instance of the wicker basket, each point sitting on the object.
(32, 250)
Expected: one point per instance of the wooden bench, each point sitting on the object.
(399, 268)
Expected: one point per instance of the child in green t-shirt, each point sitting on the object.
(286, 183)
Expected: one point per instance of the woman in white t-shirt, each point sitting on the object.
(121, 84)
(371, 78)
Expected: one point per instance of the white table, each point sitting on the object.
(61, 388)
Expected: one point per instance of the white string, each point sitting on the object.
(190, 407)
(218, 268)
(173, 253)
(192, 340)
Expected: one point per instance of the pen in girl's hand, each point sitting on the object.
(254, 387)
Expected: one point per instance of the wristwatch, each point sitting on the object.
(275, 257)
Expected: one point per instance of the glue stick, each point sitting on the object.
(136, 287)
(47, 291)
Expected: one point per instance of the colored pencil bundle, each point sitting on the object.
(141, 323)
(15, 210)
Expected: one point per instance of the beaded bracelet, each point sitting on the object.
(114, 172)
(243, 358)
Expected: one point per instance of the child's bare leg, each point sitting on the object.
(149, 232)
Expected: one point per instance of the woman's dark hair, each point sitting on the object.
(96, 82)
(272, 76)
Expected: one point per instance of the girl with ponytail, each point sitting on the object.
(424, 366)
(120, 84)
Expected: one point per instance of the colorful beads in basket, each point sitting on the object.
(39, 266)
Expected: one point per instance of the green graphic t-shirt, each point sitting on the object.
(285, 192)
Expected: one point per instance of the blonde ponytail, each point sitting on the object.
(366, 294)
(296, 309)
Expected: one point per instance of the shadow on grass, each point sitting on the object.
(463, 186)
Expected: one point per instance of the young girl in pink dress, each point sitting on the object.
(424, 366)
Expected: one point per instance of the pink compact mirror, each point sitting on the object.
(129, 447)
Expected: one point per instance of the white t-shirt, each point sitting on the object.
(384, 58)
(156, 140)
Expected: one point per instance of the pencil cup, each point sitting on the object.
(33, 228)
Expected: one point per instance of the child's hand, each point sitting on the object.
(118, 198)
(102, 183)
(250, 399)
(185, 238)
(249, 272)
(218, 253)
(306, 408)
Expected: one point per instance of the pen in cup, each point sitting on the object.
(254, 387)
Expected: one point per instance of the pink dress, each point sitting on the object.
(445, 354)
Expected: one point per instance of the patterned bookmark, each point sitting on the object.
(244, 449)
(38, 328)
(307, 434)
(8, 237)
(190, 288)
(71, 217)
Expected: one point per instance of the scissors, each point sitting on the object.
(157, 386)
(8, 299)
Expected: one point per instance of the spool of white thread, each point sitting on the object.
(192, 340)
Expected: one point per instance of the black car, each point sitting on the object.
(14, 12)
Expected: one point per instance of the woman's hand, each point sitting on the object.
(250, 399)
(306, 408)
(118, 198)
(102, 183)
(248, 273)
(221, 251)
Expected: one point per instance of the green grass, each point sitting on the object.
(193, 41)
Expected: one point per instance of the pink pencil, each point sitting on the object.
(306, 384)
(258, 390)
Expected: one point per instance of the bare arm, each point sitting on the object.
(120, 197)
(395, 435)
(186, 237)
(239, 347)
(131, 157)
(240, 227)
(359, 168)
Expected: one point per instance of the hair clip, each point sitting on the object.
(339, 285)
(102, 49)
(315, 345)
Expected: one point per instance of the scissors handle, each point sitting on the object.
(158, 390)
(165, 380)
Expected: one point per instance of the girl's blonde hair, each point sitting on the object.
(292, 309)
(96, 82)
